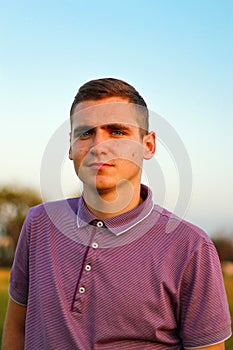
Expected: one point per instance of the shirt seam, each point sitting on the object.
(128, 228)
(137, 222)
(203, 346)
(149, 211)
(17, 302)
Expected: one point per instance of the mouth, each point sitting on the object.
(100, 165)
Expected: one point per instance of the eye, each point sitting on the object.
(117, 133)
(85, 134)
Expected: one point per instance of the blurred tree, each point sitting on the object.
(14, 205)
(224, 246)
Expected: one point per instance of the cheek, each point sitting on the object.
(78, 149)
(130, 160)
(133, 152)
(136, 158)
(77, 154)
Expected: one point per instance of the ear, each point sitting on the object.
(70, 149)
(149, 143)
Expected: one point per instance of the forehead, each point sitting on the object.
(106, 111)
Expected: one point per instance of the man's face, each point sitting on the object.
(107, 146)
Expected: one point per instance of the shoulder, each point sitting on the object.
(51, 218)
(179, 232)
(55, 208)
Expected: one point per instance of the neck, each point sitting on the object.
(105, 204)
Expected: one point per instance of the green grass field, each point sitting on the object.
(4, 282)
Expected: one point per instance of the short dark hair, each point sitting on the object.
(110, 87)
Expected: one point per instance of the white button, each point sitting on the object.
(88, 267)
(82, 290)
(95, 245)
(100, 224)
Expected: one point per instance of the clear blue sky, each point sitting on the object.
(178, 54)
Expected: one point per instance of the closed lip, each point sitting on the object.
(98, 165)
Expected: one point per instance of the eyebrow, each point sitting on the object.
(83, 128)
(79, 130)
(120, 126)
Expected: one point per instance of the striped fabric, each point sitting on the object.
(117, 284)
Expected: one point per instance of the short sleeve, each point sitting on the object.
(19, 277)
(204, 312)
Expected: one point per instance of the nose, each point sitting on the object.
(99, 142)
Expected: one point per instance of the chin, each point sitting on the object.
(104, 188)
(100, 186)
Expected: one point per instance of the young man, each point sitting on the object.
(101, 271)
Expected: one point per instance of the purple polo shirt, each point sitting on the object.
(123, 283)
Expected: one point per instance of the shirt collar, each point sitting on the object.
(123, 222)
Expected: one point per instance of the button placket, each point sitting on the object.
(84, 282)
(95, 245)
(88, 267)
(82, 290)
(100, 224)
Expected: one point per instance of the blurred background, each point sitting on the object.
(177, 54)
